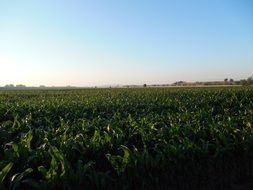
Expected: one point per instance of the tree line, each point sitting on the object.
(248, 81)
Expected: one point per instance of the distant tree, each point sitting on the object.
(250, 80)
(20, 86)
(9, 86)
(225, 80)
(244, 82)
(231, 81)
(144, 85)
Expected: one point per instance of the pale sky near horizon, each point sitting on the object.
(110, 42)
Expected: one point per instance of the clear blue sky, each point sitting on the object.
(92, 42)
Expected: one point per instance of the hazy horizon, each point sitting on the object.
(96, 43)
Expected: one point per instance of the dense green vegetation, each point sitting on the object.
(149, 138)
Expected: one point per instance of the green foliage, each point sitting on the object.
(146, 138)
(4, 172)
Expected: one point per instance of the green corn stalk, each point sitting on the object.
(4, 173)
(17, 179)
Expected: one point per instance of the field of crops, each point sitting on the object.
(147, 138)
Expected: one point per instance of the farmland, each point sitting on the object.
(146, 138)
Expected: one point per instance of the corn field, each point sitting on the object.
(143, 138)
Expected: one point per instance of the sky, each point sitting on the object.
(119, 42)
